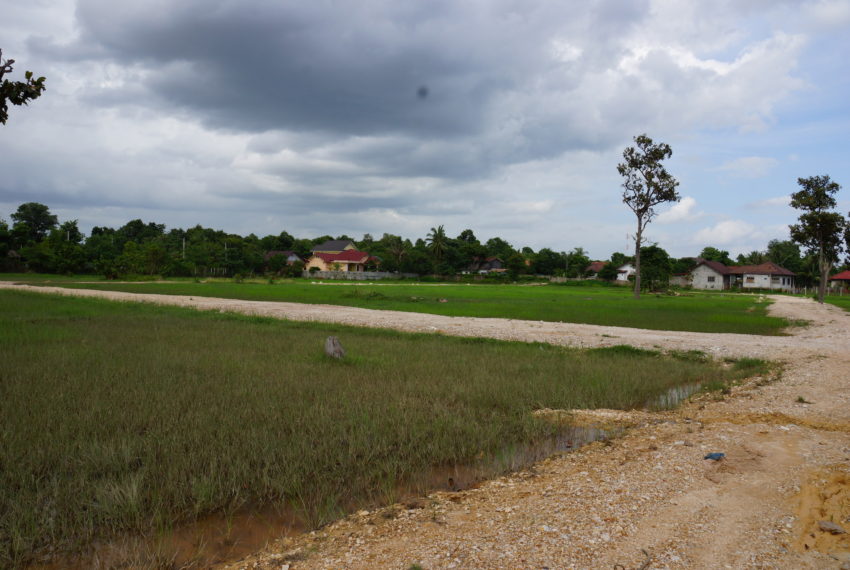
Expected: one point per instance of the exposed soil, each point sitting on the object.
(647, 499)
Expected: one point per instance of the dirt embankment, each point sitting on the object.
(645, 500)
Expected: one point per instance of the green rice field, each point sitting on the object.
(121, 418)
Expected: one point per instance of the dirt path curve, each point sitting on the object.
(645, 500)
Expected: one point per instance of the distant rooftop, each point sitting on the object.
(334, 245)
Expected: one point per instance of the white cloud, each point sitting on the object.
(770, 202)
(830, 14)
(749, 166)
(682, 211)
(537, 207)
(728, 232)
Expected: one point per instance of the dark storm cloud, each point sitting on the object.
(357, 68)
(337, 67)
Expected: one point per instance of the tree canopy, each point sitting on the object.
(820, 230)
(714, 254)
(647, 184)
(17, 92)
(34, 221)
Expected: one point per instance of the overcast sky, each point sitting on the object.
(352, 117)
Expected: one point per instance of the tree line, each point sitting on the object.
(37, 241)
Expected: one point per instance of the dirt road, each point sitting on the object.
(645, 500)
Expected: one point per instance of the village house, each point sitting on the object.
(592, 270)
(840, 280)
(709, 275)
(625, 271)
(715, 275)
(346, 260)
(290, 256)
(485, 265)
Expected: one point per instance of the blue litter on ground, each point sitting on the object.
(715, 456)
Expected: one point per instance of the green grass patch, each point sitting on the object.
(127, 417)
(839, 301)
(599, 305)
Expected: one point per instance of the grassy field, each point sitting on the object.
(839, 301)
(598, 304)
(123, 417)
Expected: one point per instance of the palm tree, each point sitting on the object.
(437, 243)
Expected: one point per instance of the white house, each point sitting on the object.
(709, 275)
(714, 275)
(767, 275)
(625, 271)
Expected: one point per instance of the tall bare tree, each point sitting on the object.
(647, 184)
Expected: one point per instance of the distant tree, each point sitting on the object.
(396, 248)
(302, 247)
(755, 257)
(819, 230)
(140, 232)
(469, 249)
(276, 263)
(647, 184)
(515, 264)
(284, 241)
(366, 243)
(656, 267)
(682, 265)
(785, 253)
(497, 247)
(437, 243)
(295, 270)
(608, 272)
(17, 92)
(619, 259)
(35, 221)
(416, 261)
(714, 254)
(576, 262)
(546, 261)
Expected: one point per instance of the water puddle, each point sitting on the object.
(514, 458)
(673, 397)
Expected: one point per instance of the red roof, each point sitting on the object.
(766, 268)
(351, 255)
(595, 266)
(843, 276)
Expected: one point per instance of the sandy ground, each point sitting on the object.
(645, 500)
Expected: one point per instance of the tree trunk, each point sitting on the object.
(824, 266)
(637, 261)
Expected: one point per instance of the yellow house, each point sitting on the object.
(346, 260)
